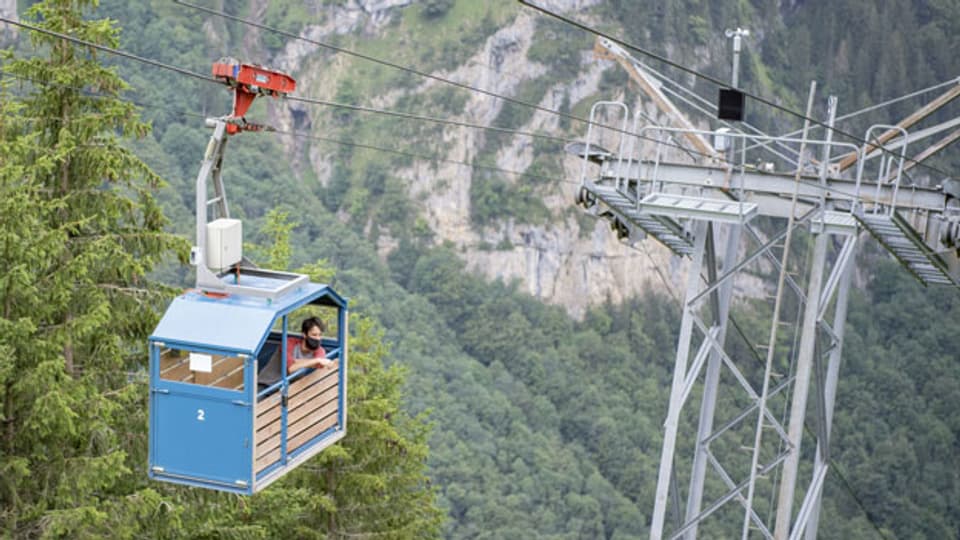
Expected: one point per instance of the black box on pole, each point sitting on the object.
(730, 106)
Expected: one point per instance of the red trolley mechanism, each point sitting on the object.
(248, 82)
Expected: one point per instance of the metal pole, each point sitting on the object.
(808, 340)
(736, 59)
(721, 301)
(736, 35)
(676, 392)
(210, 160)
(772, 345)
(711, 384)
(830, 384)
(798, 405)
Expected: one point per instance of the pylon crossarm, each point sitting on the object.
(766, 188)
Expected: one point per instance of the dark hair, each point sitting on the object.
(311, 322)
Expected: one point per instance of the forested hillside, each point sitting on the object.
(528, 404)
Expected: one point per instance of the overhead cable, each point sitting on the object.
(314, 101)
(418, 117)
(410, 116)
(415, 155)
(297, 134)
(421, 73)
(382, 62)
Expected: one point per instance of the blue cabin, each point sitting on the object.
(211, 424)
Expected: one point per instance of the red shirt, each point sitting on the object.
(294, 352)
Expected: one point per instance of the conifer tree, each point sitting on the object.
(375, 479)
(79, 233)
(373, 483)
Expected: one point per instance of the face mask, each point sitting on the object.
(313, 344)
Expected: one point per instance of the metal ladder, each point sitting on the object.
(665, 230)
(891, 230)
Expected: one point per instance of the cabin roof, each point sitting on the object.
(235, 322)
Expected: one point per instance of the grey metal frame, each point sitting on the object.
(207, 280)
(686, 206)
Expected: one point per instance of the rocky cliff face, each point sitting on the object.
(8, 9)
(571, 261)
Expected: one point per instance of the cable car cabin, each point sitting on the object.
(213, 421)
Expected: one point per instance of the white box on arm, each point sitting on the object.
(224, 243)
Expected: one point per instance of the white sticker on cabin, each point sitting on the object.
(201, 362)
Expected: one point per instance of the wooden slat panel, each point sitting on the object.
(266, 404)
(322, 400)
(270, 428)
(317, 429)
(310, 395)
(294, 430)
(269, 416)
(221, 366)
(303, 393)
(180, 372)
(176, 367)
(307, 380)
(270, 456)
(267, 460)
(170, 358)
(267, 412)
(310, 378)
(268, 444)
(233, 380)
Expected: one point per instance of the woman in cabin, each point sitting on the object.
(302, 352)
(307, 351)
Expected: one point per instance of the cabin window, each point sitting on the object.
(215, 370)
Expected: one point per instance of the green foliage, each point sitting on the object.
(559, 46)
(445, 42)
(277, 230)
(80, 235)
(542, 426)
(897, 425)
(493, 198)
(374, 480)
(436, 8)
(288, 17)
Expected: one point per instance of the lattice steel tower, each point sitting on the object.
(747, 207)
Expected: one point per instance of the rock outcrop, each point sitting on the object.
(574, 261)
(8, 9)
